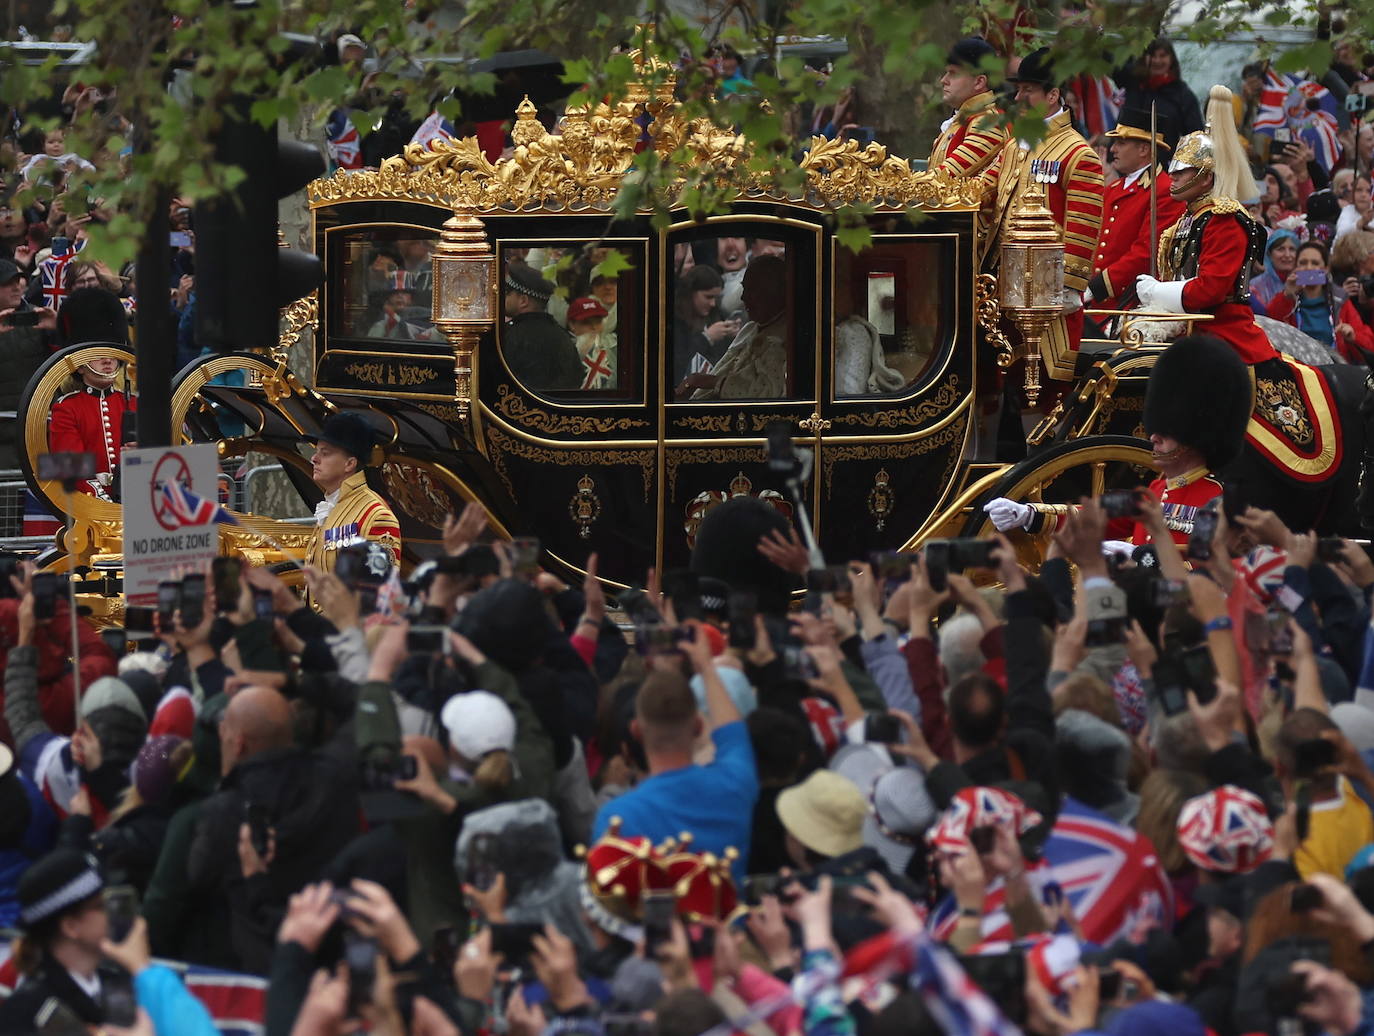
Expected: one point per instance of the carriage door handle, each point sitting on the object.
(815, 424)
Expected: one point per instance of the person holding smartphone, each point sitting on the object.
(1308, 303)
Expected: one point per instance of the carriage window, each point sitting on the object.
(737, 320)
(386, 286)
(567, 324)
(888, 317)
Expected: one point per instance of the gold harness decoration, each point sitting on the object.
(1294, 423)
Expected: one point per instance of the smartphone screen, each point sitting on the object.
(659, 908)
(168, 601)
(192, 600)
(121, 910)
(226, 574)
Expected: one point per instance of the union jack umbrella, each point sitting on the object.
(1226, 831)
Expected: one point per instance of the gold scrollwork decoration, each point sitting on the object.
(583, 166)
(501, 446)
(988, 314)
(296, 318)
(400, 374)
(718, 455)
(937, 405)
(880, 498)
(515, 409)
(443, 411)
(585, 506)
(947, 436)
(709, 422)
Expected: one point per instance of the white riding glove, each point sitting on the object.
(1113, 547)
(1008, 514)
(1088, 299)
(1160, 296)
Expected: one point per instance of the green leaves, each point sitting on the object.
(612, 265)
(1314, 58)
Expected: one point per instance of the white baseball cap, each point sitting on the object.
(349, 40)
(478, 722)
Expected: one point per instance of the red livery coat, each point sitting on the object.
(89, 420)
(1123, 249)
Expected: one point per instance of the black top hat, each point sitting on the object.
(92, 315)
(970, 52)
(527, 280)
(351, 433)
(57, 882)
(1035, 69)
(1134, 124)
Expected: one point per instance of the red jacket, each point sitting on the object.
(1219, 278)
(1123, 249)
(88, 421)
(1181, 498)
(1358, 350)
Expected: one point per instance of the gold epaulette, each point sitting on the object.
(1226, 205)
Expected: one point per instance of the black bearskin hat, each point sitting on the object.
(92, 315)
(1200, 394)
(727, 549)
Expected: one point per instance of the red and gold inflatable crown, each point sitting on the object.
(620, 871)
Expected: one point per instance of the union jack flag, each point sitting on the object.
(343, 141)
(185, 508)
(1305, 108)
(56, 275)
(1100, 101)
(1109, 874)
(435, 127)
(1226, 830)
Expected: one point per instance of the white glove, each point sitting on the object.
(1008, 514)
(1073, 302)
(1111, 547)
(1160, 296)
(1088, 295)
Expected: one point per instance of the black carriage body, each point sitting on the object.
(628, 470)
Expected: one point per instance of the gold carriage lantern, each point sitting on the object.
(464, 295)
(1032, 279)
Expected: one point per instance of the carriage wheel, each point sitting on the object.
(1063, 474)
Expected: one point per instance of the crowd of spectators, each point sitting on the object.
(479, 808)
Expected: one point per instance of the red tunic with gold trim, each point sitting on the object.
(90, 420)
(1123, 250)
(970, 140)
(1180, 498)
(1212, 248)
(1072, 174)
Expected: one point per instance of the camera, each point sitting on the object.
(782, 456)
(168, 603)
(428, 634)
(1102, 632)
(891, 564)
(684, 590)
(383, 767)
(193, 600)
(360, 956)
(638, 608)
(46, 588)
(1204, 531)
(743, 611)
(1121, 503)
(121, 911)
(1165, 593)
(946, 556)
(64, 467)
(263, 608)
(514, 941)
(882, 729)
(480, 870)
(659, 909)
(1180, 670)
(1280, 636)
(226, 574)
(1330, 549)
(524, 555)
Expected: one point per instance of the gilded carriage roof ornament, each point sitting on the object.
(582, 166)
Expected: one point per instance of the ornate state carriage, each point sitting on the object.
(884, 351)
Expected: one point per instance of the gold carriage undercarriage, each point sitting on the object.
(883, 353)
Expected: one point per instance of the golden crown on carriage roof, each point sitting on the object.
(583, 165)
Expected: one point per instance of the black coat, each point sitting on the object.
(1175, 100)
(541, 354)
(311, 799)
(50, 980)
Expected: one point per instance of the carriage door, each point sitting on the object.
(897, 385)
(740, 351)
